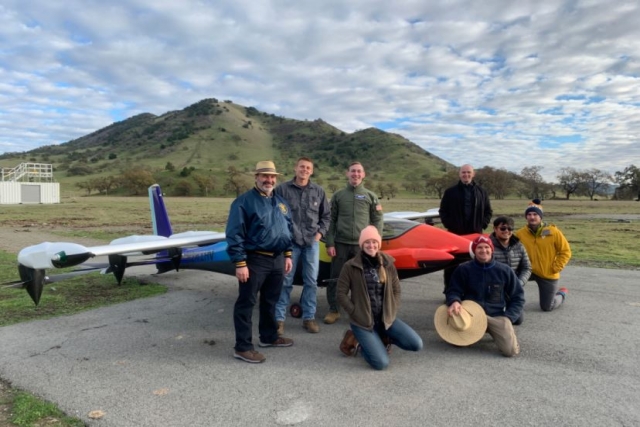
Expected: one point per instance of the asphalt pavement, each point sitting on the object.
(167, 361)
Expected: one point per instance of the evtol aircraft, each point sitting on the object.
(418, 248)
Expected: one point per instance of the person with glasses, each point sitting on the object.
(369, 291)
(509, 250)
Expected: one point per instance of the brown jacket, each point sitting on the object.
(357, 304)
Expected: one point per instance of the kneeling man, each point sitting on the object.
(495, 287)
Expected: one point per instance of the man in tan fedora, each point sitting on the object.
(259, 243)
(495, 287)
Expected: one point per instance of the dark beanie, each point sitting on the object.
(534, 207)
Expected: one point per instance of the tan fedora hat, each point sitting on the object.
(266, 167)
(464, 329)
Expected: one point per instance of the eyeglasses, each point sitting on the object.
(504, 228)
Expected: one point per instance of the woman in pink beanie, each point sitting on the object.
(369, 291)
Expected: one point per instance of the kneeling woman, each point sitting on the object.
(369, 291)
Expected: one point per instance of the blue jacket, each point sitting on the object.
(493, 285)
(258, 223)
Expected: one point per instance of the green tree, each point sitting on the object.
(137, 180)
(628, 182)
(85, 185)
(206, 183)
(183, 188)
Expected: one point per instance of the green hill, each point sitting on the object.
(213, 140)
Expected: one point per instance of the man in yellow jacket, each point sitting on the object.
(549, 253)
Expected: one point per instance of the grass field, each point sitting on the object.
(601, 233)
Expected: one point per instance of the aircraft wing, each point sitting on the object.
(431, 213)
(64, 254)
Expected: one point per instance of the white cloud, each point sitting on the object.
(490, 83)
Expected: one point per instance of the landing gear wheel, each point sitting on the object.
(295, 310)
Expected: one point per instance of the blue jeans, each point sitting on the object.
(374, 350)
(310, 256)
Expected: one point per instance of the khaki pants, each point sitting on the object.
(502, 332)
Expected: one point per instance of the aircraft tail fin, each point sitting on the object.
(159, 215)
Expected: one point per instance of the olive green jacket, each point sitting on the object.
(352, 209)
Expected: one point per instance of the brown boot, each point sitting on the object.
(280, 328)
(311, 326)
(349, 345)
(331, 317)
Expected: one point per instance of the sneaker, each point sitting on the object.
(564, 292)
(311, 326)
(250, 356)
(280, 328)
(280, 342)
(331, 317)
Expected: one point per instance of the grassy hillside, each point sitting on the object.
(207, 138)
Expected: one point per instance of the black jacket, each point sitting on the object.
(452, 209)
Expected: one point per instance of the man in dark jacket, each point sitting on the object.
(259, 244)
(310, 214)
(464, 209)
(495, 287)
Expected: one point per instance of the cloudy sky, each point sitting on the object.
(507, 84)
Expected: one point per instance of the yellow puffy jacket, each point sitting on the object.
(548, 250)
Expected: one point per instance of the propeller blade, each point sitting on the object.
(33, 281)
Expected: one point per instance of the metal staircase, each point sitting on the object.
(28, 172)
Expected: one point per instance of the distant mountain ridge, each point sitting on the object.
(212, 136)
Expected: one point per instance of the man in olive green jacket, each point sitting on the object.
(352, 209)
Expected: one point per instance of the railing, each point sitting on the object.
(28, 172)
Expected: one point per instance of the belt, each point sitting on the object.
(265, 253)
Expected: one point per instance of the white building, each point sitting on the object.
(28, 183)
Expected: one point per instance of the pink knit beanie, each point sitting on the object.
(368, 233)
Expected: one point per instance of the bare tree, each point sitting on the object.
(392, 190)
(439, 184)
(236, 182)
(595, 180)
(570, 180)
(533, 181)
(497, 182)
